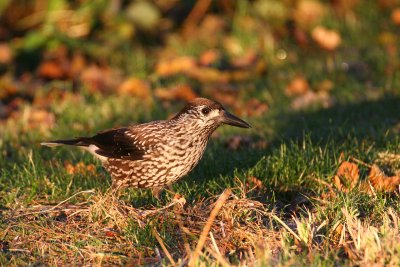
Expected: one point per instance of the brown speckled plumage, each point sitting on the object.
(158, 153)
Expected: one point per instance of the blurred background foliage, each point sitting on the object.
(253, 56)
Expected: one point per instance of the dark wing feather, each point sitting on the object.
(115, 143)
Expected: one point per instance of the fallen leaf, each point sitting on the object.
(209, 57)
(381, 182)
(326, 39)
(51, 70)
(208, 75)
(135, 87)
(387, 4)
(346, 176)
(173, 66)
(6, 54)
(35, 119)
(80, 168)
(55, 65)
(110, 232)
(226, 94)
(100, 79)
(247, 60)
(181, 92)
(396, 16)
(344, 7)
(308, 13)
(254, 107)
(298, 86)
(257, 182)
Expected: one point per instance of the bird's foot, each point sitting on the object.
(179, 199)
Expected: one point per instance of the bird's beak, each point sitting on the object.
(231, 119)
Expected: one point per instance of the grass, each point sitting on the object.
(283, 208)
(287, 220)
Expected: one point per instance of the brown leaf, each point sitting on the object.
(51, 70)
(99, 79)
(209, 57)
(56, 64)
(255, 181)
(172, 66)
(396, 16)
(381, 182)
(135, 87)
(247, 60)
(308, 13)
(208, 75)
(35, 119)
(298, 86)
(180, 92)
(254, 107)
(226, 94)
(80, 168)
(326, 39)
(6, 54)
(346, 176)
(110, 232)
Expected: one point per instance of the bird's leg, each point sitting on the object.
(156, 191)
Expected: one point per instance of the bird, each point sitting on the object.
(158, 153)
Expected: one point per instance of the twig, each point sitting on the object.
(218, 205)
(164, 248)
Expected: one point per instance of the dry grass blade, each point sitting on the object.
(164, 248)
(286, 227)
(218, 205)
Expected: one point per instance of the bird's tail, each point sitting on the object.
(70, 142)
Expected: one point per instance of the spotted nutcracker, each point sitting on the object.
(158, 153)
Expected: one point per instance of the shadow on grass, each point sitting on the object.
(367, 120)
(344, 127)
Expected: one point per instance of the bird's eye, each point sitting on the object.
(205, 111)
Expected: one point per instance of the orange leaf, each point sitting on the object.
(346, 176)
(180, 92)
(169, 67)
(326, 39)
(6, 54)
(135, 87)
(381, 182)
(308, 13)
(209, 57)
(396, 16)
(257, 182)
(298, 86)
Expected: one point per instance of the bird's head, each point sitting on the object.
(208, 114)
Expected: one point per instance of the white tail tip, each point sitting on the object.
(50, 144)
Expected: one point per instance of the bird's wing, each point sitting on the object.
(120, 143)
